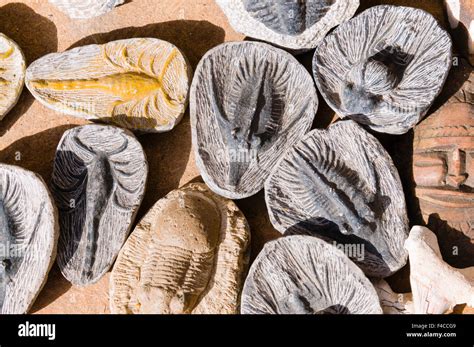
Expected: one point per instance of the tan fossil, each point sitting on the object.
(139, 84)
(12, 74)
(187, 255)
(437, 287)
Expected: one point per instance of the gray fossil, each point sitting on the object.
(305, 275)
(29, 232)
(98, 183)
(384, 67)
(297, 25)
(249, 103)
(340, 184)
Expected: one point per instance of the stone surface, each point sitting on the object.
(98, 184)
(12, 74)
(28, 238)
(384, 67)
(296, 25)
(249, 103)
(437, 287)
(391, 302)
(305, 275)
(341, 184)
(443, 172)
(83, 9)
(140, 84)
(461, 20)
(187, 255)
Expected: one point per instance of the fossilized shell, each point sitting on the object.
(391, 302)
(83, 9)
(140, 84)
(28, 237)
(249, 103)
(12, 74)
(436, 286)
(461, 20)
(384, 67)
(98, 183)
(187, 255)
(305, 275)
(345, 176)
(297, 25)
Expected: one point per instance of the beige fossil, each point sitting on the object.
(187, 255)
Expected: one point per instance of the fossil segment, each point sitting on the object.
(305, 275)
(28, 238)
(461, 20)
(437, 287)
(297, 25)
(141, 84)
(187, 255)
(249, 103)
(12, 74)
(384, 67)
(98, 183)
(341, 184)
(83, 9)
(391, 302)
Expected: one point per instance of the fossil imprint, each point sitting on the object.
(340, 184)
(29, 232)
(139, 84)
(249, 102)
(187, 255)
(12, 74)
(305, 275)
(83, 9)
(384, 67)
(98, 183)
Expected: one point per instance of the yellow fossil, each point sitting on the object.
(7, 53)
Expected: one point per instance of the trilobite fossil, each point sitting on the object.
(384, 67)
(29, 232)
(340, 184)
(297, 25)
(249, 102)
(98, 184)
(305, 275)
(83, 9)
(187, 255)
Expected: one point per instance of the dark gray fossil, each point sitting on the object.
(98, 183)
(305, 275)
(341, 185)
(249, 103)
(296, 25)
(28, 238)
(384, 67)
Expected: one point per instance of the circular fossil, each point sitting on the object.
(12, 74)
(29, 232)
(296, 25)
(249, 103)
(140, 84)
(187, 255)
(83, 9)
(340, 184)
(98, 183)
(305, 275)
(384, 67)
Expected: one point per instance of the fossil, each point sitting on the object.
(83, 9)
(461, 20)
(384, 67)
(437, 287)
(340, 184)
(29, 232)
(12, 74)
(187, 255)
(140, 84)
(305, 275)
(249, 103)
(296, 25)
(98, 183)
(391, 302)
